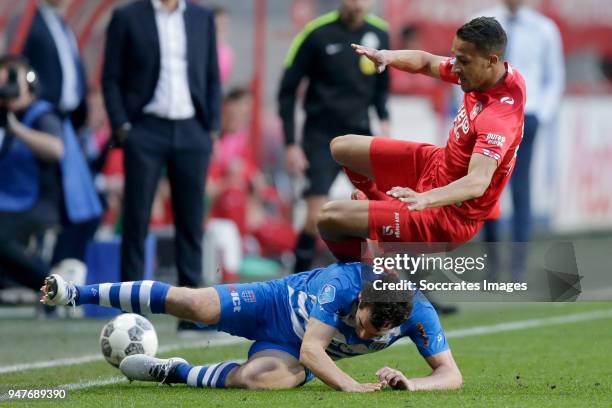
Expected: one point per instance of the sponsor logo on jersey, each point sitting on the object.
(489, 153)
(387, 230)
(396, 218)
(461, 122)
(248, 296)
(235, 299)
(496, 140)
(332, 49)
(328, 294)
(508, 100)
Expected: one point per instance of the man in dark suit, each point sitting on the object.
(163, 96)
(51, 48)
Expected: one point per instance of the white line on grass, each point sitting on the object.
(90, 358)
(522, 324)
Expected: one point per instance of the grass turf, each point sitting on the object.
(558, 365)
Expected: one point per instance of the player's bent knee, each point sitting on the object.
(330, 215)
(269, 376)
(340, 148)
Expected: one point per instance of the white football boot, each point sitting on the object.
(141, 367)
(56, 291)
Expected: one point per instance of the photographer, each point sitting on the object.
(31, 149)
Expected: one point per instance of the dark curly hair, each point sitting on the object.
(486, 34)
(388, 308)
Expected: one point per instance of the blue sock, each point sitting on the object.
(212, 376)
(137, 297)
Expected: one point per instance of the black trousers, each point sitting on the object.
(16, 262)
(520, 186)
(183, 147)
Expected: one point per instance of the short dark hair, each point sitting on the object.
(237, 93)
(388, 308)
(486, 34)
(218, 10)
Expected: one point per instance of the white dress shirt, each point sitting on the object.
(68, 53)
(172, 98)
(535, 49)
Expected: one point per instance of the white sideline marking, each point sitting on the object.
(458, 333)
(92, 383)
(98, 357)
(522, 324)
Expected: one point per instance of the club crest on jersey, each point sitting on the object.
(327, 295)
(476, 110)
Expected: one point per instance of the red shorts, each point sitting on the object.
(410, 164)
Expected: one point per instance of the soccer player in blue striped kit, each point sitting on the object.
(300, 325)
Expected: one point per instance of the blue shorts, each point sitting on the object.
(260, 312)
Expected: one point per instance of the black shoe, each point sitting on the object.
(185, 328)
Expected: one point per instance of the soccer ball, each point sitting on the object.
(125, 335)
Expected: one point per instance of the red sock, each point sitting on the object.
(346, 250)
(366, 185)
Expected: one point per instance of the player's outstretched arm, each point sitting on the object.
(472, 185)
(413, 61)
(445, 375)
(317, 337)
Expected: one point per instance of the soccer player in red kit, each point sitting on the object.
(419, 192)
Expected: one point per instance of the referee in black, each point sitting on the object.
(341, 88)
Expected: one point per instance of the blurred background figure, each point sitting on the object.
(163, 97)
(224, 49)
(238, 190)
(535, 49)
(52, 50)
(341, 89)
(31, 148)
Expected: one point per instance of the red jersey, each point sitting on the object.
(489, 123)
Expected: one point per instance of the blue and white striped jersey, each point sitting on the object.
(331, 295)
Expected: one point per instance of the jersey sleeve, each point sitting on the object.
(50, 124)
(334, 300)
(446, 71)
(495, 132)
(426, 331)
(298, 64)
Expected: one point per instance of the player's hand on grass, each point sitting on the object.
(295, 160)
(416, 201)
(368, 387)
(394, 378)
(378, 57)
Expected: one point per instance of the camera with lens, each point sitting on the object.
(9, 90)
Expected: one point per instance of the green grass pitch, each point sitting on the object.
(550, 363)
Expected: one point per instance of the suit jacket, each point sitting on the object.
(41, 52)
(132, 63)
